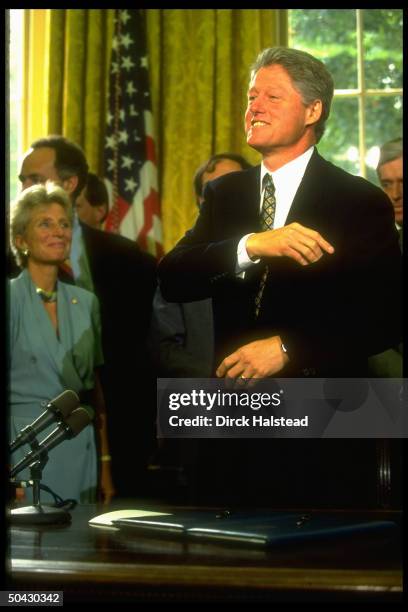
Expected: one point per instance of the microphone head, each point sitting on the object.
(57, 409)
(64, 403)
(69, 428)
(79, 419)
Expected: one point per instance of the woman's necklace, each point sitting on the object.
(47, 296)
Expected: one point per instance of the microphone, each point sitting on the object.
(74, 424)
(56, 410)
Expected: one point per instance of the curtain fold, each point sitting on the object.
(78, 65)
(199, 66)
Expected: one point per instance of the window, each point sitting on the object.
(362, 48)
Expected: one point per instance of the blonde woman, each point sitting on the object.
(55, 344)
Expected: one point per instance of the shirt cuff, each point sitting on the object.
(243, 260)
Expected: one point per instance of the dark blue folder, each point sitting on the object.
(259, 529)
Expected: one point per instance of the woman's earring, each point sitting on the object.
(25, 252)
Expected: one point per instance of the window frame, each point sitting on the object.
(361, 93)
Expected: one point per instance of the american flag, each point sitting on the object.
(129, 158)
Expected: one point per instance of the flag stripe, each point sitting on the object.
(130, 158)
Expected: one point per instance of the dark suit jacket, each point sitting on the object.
(182, 338)
(124, 279)
(331, 315)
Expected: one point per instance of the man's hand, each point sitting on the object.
(300, 243)
(254, 360)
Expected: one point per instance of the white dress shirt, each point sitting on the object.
(286, 180)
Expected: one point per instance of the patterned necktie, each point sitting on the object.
(267, 219)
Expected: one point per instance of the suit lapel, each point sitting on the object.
(308, 195)
(305, 203)
(41, 322)
(250, 195)
(240, 210)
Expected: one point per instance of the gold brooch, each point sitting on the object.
(74, 301)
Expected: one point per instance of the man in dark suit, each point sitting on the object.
(390, 174)
(390, 171)
(299, 258)
(124, 279)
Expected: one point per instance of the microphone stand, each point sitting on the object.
(38, 514)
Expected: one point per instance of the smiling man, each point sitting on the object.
(298, 256)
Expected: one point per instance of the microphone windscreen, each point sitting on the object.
(78, 420)
(65, 402)
(90, 411)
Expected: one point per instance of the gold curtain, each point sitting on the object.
(73, 75)
(199, 61)
(199, 68)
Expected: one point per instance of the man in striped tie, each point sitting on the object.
(299, 257)
(300, 244)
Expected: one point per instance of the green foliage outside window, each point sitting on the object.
(332, 36)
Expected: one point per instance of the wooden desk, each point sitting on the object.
(94, 564)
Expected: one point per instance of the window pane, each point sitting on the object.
(329, 35)
(382, 48)
(339, 143)
(384, 121)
